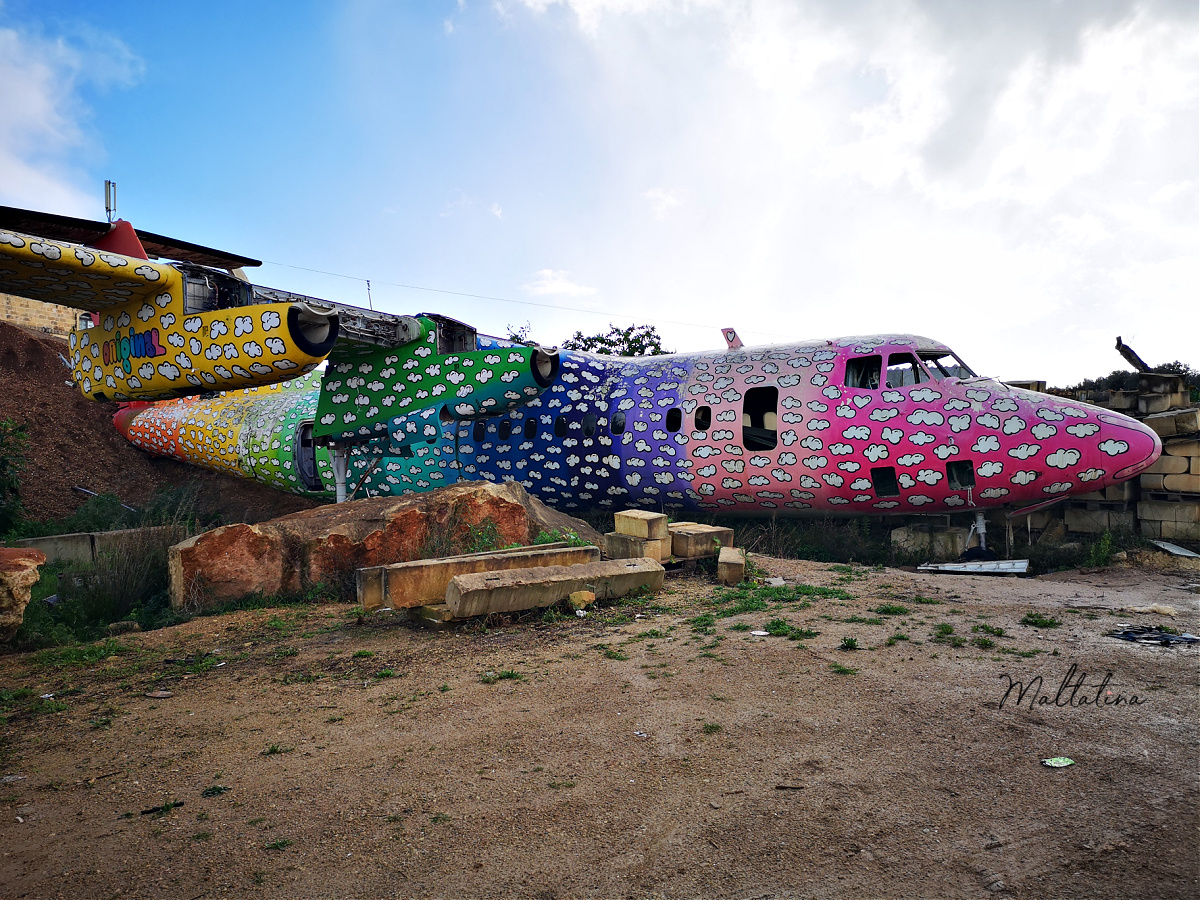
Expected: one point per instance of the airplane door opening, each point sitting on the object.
(759, 419)
(306, 457)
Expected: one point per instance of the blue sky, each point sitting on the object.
(1016, 179)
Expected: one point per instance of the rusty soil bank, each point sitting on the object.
(638, 752)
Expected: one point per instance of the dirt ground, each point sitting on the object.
(72, 443)
(632, 753)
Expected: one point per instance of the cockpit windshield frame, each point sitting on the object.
(937, 362)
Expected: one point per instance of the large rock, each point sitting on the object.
(328, 544)
(18, 575)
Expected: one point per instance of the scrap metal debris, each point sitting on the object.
(1149, 634)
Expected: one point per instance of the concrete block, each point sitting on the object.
(1086, 521)
(1124, 492)
(436, 615)
(1120, 521)
(492, 592)
(1168, 465)
(136, 538)
(76, 548)
(1053, 534)
(424, 581)
(1090, 495)
(1185, 484)
(642, 523)
(1184, 511)
(1040, 519)
(582, 599)
(1151, 482)
(690, 540)
(1150, 529)
(1194, 465)
(731, 565)
(1189, 447)
(1181, 531)
(942, 544)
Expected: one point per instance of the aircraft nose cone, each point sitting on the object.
(1142, 445)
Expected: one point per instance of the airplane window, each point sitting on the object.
(618, 422)
(903, 370)
(589, 425)
(946, 365)
(674, 419)
(863, 372)
(960, 475)
(505, 429)
(560, 426)
(531, 428)
(883, 480)
(703, 418)
(480, 430)
(758, 418)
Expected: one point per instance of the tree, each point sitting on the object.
(636, 340)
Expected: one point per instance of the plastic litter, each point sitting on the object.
(159, 695)
(1058, 762)
(581, 613)
(1148, 634)
(1158, 608)
(775, 582)
(760, 633)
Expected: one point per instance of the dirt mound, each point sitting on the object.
(72, 442)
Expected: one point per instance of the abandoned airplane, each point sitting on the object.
(218, 372)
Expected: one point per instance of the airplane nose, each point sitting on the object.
(1142, 448)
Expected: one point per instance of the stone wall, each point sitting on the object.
(38, 315)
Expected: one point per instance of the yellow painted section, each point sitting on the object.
(143, 346)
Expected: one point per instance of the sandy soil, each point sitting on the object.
(634, 756)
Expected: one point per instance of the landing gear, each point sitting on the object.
(980, 553)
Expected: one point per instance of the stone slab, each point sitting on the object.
(518, 589)
(76, 548)
(424, 581)
(1181, 531)
(641, 523)
(1123, 492)
(1151, 482)
(731, 565)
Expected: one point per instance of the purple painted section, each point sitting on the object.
(806, 428)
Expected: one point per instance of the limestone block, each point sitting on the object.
(948, 543)
(1151, 482)
(623, 546)
(690, 540)
(1187, 421)
(731, 565)
(1168, 465)
(1090, 495)
(1151, 528)
(1182, 447)
(1156, 383)
(1149, 404)
(1162, 424)
(1120, 521)
(18, 574)
(642, 523)
(1194, 466)
(424, 581)
(485, 593)
(1122, 400)
(1086, 521)
(1185, 484)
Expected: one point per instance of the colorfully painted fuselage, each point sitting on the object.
(878, 424)
(861, 425)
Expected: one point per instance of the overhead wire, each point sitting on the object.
(416, 287)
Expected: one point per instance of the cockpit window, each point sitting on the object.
(943, 364)
(903, 370)
(863, 372)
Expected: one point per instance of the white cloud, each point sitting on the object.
(43, 119)
(551, 282)
(662, 201)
